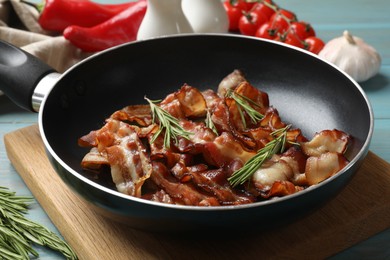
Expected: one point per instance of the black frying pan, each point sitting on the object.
(307, 91)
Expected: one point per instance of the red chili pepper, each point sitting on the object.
(119, 29)
(59, 14)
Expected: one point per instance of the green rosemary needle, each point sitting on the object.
(277, 145)
(210, 123)
(167, 123)
(244, 103)
(17, 233)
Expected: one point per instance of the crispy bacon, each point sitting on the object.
(194, 170)
(325, 153)
(121, 147)
(255, 98)
(139, 114)
(322, 167)
(211, 181)
(282, 174)
(192, 101)
(282, 188)
(200, 136)
(326, 141)
(172, 105)
(231, 81)
(220, 117)
(94, 161)
(212, 99)
(160, 196)
(159, 153)
(182, 193)
(214, 182)
(225, 149)
(254, 94)
(270, 172)
(130, 165)
(272, 120)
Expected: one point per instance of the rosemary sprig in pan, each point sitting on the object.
(167, 123)
(17, 233)
(277, 145)
(244, 103)
(210, 123)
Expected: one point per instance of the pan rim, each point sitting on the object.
(359, 156)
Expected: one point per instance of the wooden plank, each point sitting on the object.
(361, 210)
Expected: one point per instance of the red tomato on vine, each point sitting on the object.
(249, 22)
(267, 9)
(301, 29)
(268, 31)
(314, 44)
(234, 14)
(282, 19)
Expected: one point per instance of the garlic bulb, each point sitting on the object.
(352, 55)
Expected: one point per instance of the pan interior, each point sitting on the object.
(307, 92)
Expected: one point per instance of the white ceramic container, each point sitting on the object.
(206, 16)
(163, 17)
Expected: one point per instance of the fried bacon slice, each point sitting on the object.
(94, 161)
(192, 101)
(138, 114)
(121, 147)
(326, 141)
(187, 102)
(254, 94)
(130, 164)
(255, 98)
(322, 167)
(181, 193)
(231, 81)
(225, 149)
(281, 175)
(325, 153)
(212, 181)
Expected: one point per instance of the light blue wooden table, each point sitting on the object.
(369, 20)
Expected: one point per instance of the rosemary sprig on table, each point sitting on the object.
(17, 233)
(244, 104)
(277, 145)
(167, 123)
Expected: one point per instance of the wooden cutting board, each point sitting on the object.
(361, 210)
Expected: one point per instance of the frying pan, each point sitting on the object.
(308, 92)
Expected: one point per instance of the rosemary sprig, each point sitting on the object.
(167, 123)
(17, 233)
(244, 104)
(210, 123)
(277, 145)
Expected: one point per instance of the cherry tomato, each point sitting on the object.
(301, 29)
(249, 22)
(264, 9)
(267, 31)
(282, 19)
(234, 14)
(314, 44)
(243, 5)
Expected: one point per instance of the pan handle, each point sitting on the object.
(20, 72)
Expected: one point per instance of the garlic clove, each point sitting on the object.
(352, 55)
